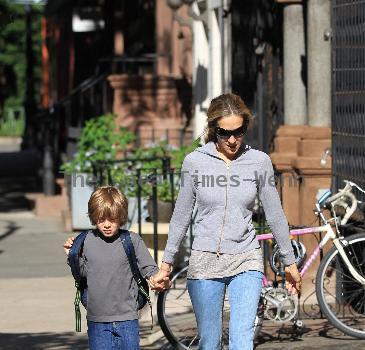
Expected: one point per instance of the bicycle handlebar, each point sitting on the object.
(352, 208)
(338, 199)
(352, 184)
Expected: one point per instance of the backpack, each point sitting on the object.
(81, 282)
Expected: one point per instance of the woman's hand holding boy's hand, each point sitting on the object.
(160, 281)
(68, 244)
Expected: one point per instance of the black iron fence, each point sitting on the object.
(56, 130)
(348, 93)
(90, 99)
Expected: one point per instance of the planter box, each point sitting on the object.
(80, 192)
(133, 211)
(164, 211)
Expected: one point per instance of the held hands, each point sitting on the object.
(68, 244)
(293, 279)
(161, 280)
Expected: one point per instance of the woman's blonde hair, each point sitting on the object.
(108, 202)
(222, 106)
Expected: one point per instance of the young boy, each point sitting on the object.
(112, 316)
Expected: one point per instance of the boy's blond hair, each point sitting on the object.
(108, 202)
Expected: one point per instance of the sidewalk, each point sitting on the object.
(37, 295)
(315, 334)
(36, 290)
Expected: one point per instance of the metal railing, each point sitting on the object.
(140, 65)
(53, 129)
(348, 93)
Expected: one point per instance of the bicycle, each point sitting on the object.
(340, 282)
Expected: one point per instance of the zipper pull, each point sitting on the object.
(217, 254)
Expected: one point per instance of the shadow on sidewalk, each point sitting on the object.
(42, 341)
(314, 334)
(10, 229)
(19, 174)
(12, 199)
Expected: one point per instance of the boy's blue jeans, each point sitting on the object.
(207, 297)
(122, 335)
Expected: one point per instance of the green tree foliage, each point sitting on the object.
(12, 53)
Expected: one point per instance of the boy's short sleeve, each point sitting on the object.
(147, 266)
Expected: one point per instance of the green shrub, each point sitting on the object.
(100, 141)
(12, 126)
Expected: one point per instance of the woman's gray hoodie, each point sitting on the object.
(225, 196)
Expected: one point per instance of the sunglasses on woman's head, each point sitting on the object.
(226, 134)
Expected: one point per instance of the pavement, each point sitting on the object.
(315, 334)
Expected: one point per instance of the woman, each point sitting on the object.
(223, 178)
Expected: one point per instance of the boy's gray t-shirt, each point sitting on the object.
(112, 291)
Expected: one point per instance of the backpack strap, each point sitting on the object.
(130, 252)
(73, 258)
(74, 255)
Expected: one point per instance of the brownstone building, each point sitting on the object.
(126, 57)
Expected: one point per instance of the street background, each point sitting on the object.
(86, 84)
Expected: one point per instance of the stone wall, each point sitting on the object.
(144, 103)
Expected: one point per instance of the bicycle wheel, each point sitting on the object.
(342, 298)
(177, 319)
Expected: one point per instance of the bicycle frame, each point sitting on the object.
(329, 235)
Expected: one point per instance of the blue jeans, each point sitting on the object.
(121, 335)
(207, 297)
